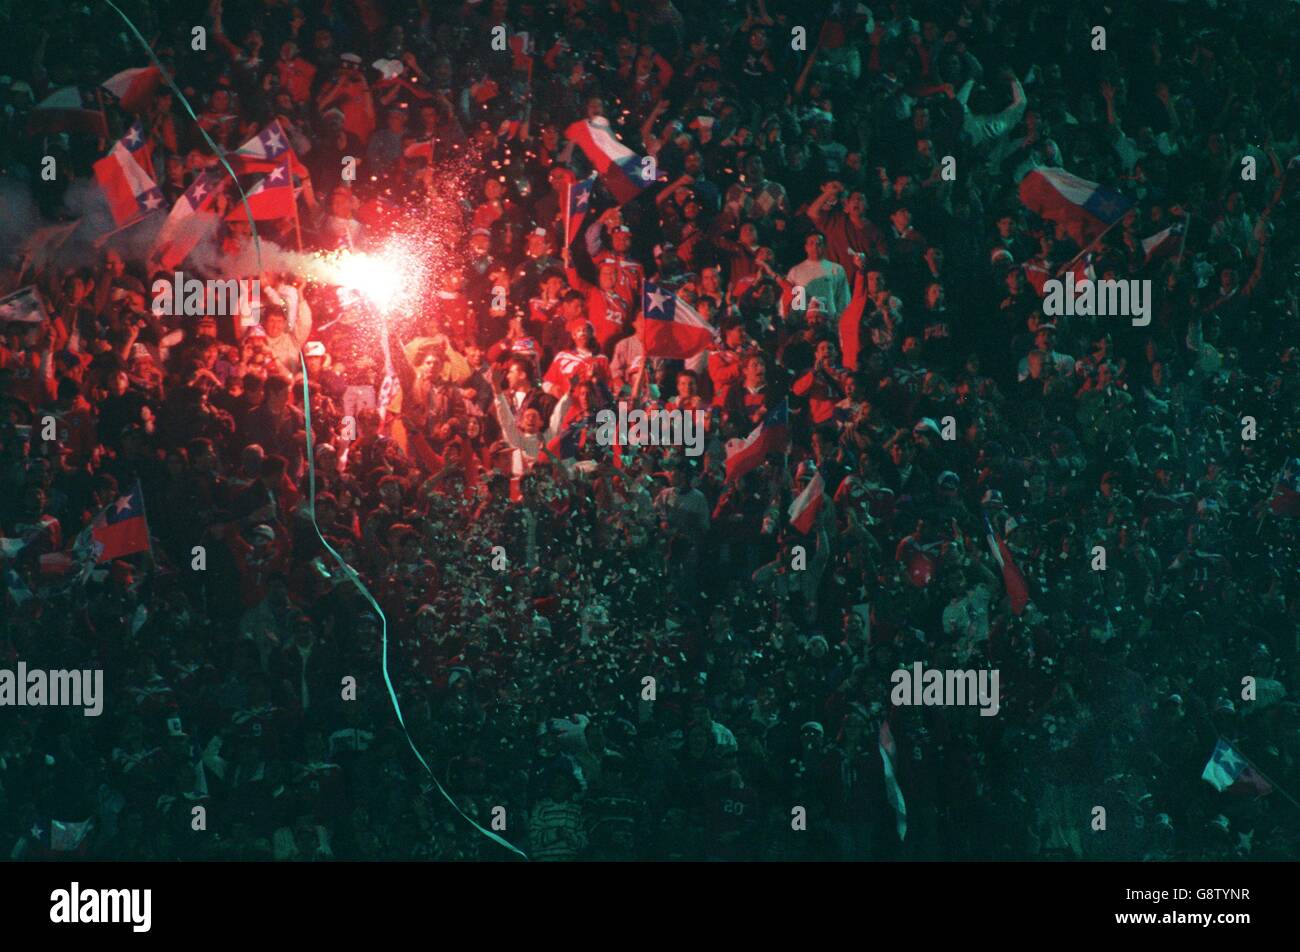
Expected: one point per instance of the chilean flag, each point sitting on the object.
(893, 792)
(1014, 581)
(851, 323)
(187, 222)
(1164, 243)
(134, 88)
(673, 328)
(579, 202)
(569, 440)
(920, 567)
(1228, 769)
(803, 511)
(270, 199)
(137, 143)
(1085, 208)
(566, 364)
(1286, 495)
(624, 172)
(770, 436)
(265, 152)
(130, 190)
(121, 528)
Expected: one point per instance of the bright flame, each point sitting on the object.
(388, 278)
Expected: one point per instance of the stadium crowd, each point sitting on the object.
(532, 580)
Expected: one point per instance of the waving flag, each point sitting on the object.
(1164, 243)
(672, 327)
(120, 528)
(188, 220)
(624, 172)
(770, 436)
(1014, 581)
(1085, 208)
(23, 306)
(265, 152)
(130, 190)
(134, 88)
(64, 110)
(919, 565)
(270, 199)
(576, 209)
(1286, 494)
(850, 326)
(569, 440)
(893, 792)
(564, 366)
(63, 836)
(804, 509)
(137, 143)
(1228, 769)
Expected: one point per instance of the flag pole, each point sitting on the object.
(1093, 245)
(1182, 245)
(297, 216)
(145, 513)
(568, 203)
(1275, 785)
(99, 242)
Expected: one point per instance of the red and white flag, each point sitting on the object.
(624, 172)
(893, 792)
(1085, 208)
(803, 511)
(1164, 243)
(188, 220)
(566, 365)
(134, 88)
(770, 436)
(1017, 589)
(130, 190)
(672, 328)
(270, 199)
(265, 152)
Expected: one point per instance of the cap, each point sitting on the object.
(313, 348)
(263, 533)
(257, 330)
(949, 478)
(352, 58)
(480, 231)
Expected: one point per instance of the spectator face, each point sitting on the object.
(812, 246)
(755, 373)
(516, 377)
(748, 235)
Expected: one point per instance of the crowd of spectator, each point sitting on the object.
(631, 656)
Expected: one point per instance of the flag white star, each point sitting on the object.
(152, 200)
(1229, 760)
(123, 503)
(133, 138)
(583, 197)
(657, 300)
(272, 141)
(276, 175)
